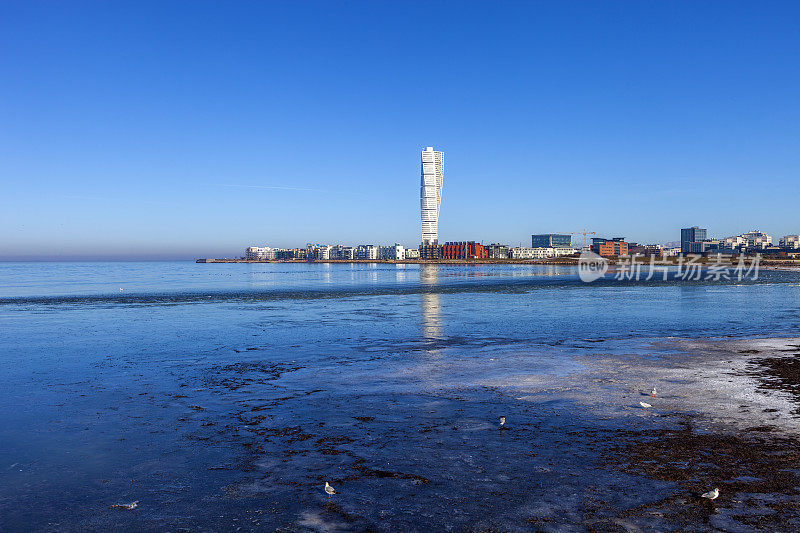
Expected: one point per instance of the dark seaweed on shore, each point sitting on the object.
(757, 475)
(780, 373)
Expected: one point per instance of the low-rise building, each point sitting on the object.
(645, 249)
(790, 241)
(524, 252)
(392, 253)
(561, 251)
(366, 251)
(291, 253)
(341, 253)
(540, 252)
(609, 247)
(412, 253)
(430, 252)
(463, 250)
(736, 242)
(757, 239)
(318, 252)
(255, 253)
(497, 251)
(708, 246)
(752, 240)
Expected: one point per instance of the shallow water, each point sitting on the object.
(224, 395)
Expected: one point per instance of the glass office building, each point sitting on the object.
(551, 240)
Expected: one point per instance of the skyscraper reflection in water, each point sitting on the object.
(430, 309)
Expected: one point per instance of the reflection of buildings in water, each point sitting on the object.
(429, 274)
(400, 273)
(431, 319)
(430, 309)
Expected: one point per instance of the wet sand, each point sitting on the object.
(421, 448)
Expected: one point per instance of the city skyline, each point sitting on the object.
(280, 124)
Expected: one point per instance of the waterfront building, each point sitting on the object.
(430, 194)
(560, 251)
(318, 252)
(255, 253)
(341, 253)
(412, 253)
(736, 242)
(610, 247)
(539, 252)
(752, 240)
(291, 253)
(366, 251)
(551, 240)
(463, 250)
(708, 246)
(757, 239)
(690, 235)
(497, 251)
(790, 241)
(430, 251)
(392, 253)
(524, 252)
(645, 249)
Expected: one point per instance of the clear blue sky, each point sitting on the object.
(191, 129)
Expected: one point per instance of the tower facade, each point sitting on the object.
(430, 194)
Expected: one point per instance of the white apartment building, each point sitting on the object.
(392, 253)
(430, 194)
(342, 253)
(319, 252)
(255, 253)
(366, 251)
(523, 252)
(756, 239)
(790, 241)
(734, 243)
(559, 252)
(412, 253)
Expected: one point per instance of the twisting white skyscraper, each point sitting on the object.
(430, 194)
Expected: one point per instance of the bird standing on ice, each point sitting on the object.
(329, 490)
(653, 392)
(645, 405)
(711, 495)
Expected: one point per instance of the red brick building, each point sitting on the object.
(610, 248)
(463, 250)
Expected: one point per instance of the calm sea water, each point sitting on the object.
(223, 395)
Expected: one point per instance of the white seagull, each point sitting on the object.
(645, 405)
(653, 392)
(329, 490)
(711, 495)
(502, 421)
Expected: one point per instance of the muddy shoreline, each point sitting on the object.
(578, 452)
(419, 448)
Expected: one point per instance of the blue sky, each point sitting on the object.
(193, 129)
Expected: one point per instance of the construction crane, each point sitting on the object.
(584, 233)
